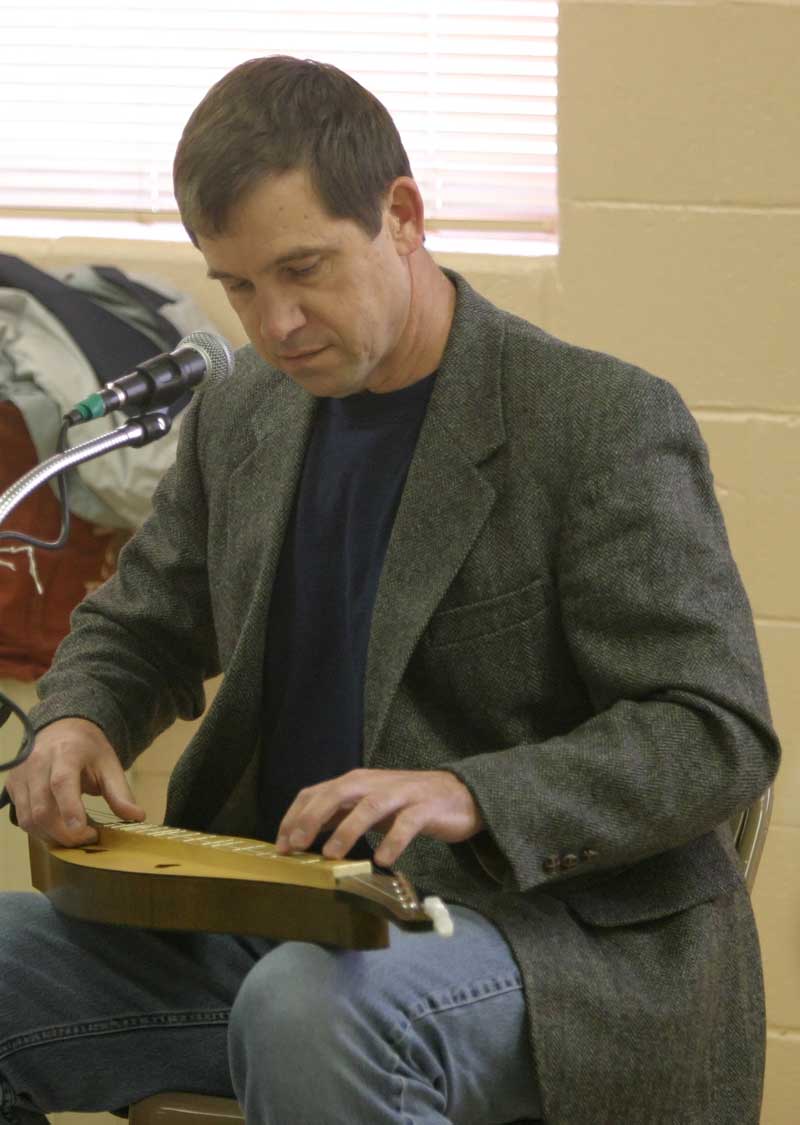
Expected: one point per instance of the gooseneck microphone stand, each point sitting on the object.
(164, 384)
(140, 431)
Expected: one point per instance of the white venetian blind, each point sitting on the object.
(94, 95)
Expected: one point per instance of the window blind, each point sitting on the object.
(95, 95)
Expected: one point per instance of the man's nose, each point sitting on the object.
(279, 319)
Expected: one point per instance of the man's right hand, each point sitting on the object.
(69, 757)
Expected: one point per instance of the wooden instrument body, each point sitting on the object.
(172, 879)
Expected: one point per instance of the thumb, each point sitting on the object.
(119, 795)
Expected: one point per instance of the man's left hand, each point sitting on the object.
(400, 803)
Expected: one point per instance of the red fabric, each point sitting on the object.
(33, 624)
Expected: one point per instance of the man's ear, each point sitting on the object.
(406, 215)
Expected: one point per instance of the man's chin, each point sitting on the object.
(323, 380)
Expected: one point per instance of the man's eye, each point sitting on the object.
(305, 270)
(237, 286)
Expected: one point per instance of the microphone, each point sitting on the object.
(159, 381)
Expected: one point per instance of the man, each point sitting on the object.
(475, 607)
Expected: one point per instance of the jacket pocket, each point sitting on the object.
(482, 619)
(500, 667)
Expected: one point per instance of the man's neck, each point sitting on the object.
(433, 302)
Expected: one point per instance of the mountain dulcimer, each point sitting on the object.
(175, 879)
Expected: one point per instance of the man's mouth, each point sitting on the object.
(300, 355)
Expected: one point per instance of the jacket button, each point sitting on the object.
(569, 861)
(589, 854)
(551, 864)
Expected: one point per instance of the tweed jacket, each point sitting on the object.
(559, 622)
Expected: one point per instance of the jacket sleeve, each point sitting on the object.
(660, 630)
(141, 646)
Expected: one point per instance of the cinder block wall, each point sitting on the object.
(679, 170)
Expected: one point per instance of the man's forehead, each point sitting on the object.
(278, 221)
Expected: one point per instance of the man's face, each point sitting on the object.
(318, 298)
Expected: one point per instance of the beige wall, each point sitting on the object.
(680, 250)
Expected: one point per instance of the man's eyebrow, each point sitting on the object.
(291, 255)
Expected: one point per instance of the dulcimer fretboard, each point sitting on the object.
(230, 857)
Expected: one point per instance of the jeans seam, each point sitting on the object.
(400, 1093)
(112, 1026)
(470, 994)
(478, 991)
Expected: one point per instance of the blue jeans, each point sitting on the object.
(94, 1017)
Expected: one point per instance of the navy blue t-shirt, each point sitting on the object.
(319, 619)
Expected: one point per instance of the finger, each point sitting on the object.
(316, 807)
(290, 820)
(45, 819)
(69, 825)
(117, 792)
(41, 806)
(373, 809)
(18, 791)
(408, 824)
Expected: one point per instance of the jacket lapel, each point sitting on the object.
(260, 495)
(261, 492)
(445, 503)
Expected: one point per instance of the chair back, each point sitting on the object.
(749, 829)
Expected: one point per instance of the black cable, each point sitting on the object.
(7, 708)
(63, 496)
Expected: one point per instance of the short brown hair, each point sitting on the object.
(276, 114)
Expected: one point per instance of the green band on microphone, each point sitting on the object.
(91, 407)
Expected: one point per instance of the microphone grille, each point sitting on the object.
(216, 351)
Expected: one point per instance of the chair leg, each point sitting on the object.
(171, 1108)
